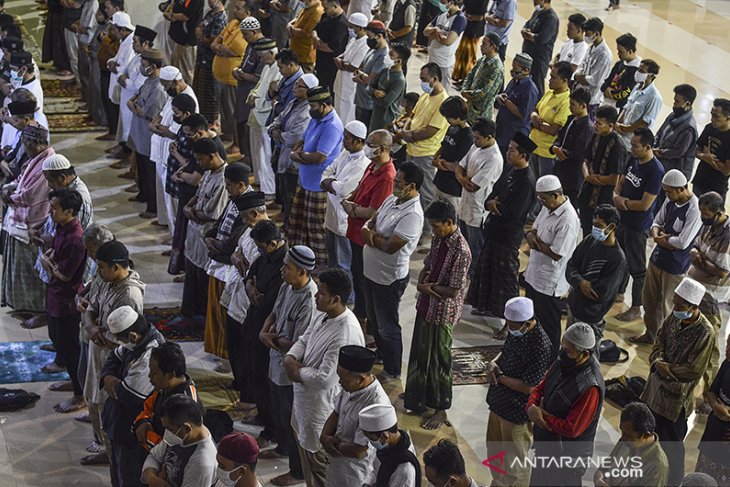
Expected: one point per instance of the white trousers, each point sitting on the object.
(261, 158)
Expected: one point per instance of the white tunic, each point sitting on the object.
(234, 296)
(318, 351)
(346, 170)
(484, 167)
(262, 104)
(134, 83)
(159, 145)
(123, 57)
(344, 84)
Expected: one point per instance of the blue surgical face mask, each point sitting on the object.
(682, 315)
(352, 34)
(378, 445)
(599, 234)
(426, 87)
(516, 333)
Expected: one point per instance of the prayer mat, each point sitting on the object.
(469, 365)
(216, 391)
(174, 327)
(59, 88)
(65, 123)
(59, 106)
(22, 362)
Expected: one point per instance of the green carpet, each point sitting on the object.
(22, 362)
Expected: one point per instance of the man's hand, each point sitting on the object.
(722, 412)
(110, 385)
(493, 207)
(331, 445)
(535, 413)
(367, 236)
(560, 153)
(379, 94)
(533, 241)
(663, 369)
(267, 339)
(427, 288)
(620, 202)
(82, 304)
(587, 289)
(598, 479)
(326, 185)
(696, 258)
(141, 432)
(492, 371)
(47, 260)
(662, 240)
(291, 367)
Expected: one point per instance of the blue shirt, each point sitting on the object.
(323, 136)
(640, 179)
(522, 93)
(505, 10)
(286, 92)
(643, 104)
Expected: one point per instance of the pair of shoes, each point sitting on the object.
(132, 189)
(147, 215)
(126, 175)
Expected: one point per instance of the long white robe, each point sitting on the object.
(344, 84)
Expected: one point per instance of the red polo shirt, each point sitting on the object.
(69, 255)
(374, 187)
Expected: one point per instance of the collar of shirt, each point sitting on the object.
(377, 171)
(65, 229)
(558, 212)
(406, 205)
(362, 391)
(450, 241)
(326, 119)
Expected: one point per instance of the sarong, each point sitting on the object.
(496, 277)
(215, 320)
(22, 288)
(466, 57)
(429, 381)
(306, 222)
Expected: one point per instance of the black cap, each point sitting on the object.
(21, 58)
(356, 359)
(12, 44)
(525, 142)
(251, 199)
(22, 107)
(113, 252)
(318, 93)
(145, 33)
(237, 172)
(205, 146)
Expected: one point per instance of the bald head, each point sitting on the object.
(381, 138)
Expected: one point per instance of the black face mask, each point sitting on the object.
(372, 43)
(565, 361)
(678, 111)
(177, 119)
(171, 92)
(709, 221)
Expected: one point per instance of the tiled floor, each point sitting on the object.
(40, 447)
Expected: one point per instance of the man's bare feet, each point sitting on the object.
(84, 418)
(37, 321)
(70, 405)
(435, 421)
(619, 298)
(501, 334)
(100, 458)
(631, 314)
(95, 447)
(52, 368)
(64, 386)
(285, 480)
(643, 339)
(48, 347)
(178, 279)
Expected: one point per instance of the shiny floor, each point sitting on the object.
(39, 447)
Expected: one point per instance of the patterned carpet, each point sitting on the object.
(22, 362)
(469, 365)
(64, 108)
(175, 327)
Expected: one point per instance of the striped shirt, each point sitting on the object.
(714, 246)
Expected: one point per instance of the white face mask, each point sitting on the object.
(589, 40)
(16, 80)
(369, 152)
(128, 345)
(224, 476)
(640, 77)
(538, 8)
(172, 439)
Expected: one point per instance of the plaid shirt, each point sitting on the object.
(448, 265)
(185, 148)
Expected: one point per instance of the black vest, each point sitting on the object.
(399, 21)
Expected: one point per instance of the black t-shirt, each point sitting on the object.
(707, 178)
(183, 33)
(475, 28)
(456, 143)
(333, 31)
(716, 439)
(615, 163)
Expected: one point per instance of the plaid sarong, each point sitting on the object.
(496, 278)
(306, 222)
(22, 288)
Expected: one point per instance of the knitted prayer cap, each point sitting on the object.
(302, 256)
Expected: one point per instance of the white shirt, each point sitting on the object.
(596, 67)
(484, 167)
(159, 145)
(318, 351)
(443, 56)
(123, 57)
(346, 170)
(344, 84)
(343, 471)
(404, 220)
(559, 229)
(234, 297)
(573, 52)
(262, 104)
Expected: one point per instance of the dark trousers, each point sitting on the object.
(126, 465)
(382, 310)
(671, 437)
(282, 400)
(358, 282)
(585, 215)
(699, 191)
(64, 333)
(287, 182)
(195, 291)
(538, 74)
(146, 174)
(547, 312)
(633, 244)
(111, 109)
(233, 330)
(502, 51)
(363, 115)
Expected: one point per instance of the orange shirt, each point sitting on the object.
(303, 47)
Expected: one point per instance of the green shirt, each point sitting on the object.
(631, 467)
(485, 80)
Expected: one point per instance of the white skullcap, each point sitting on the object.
(519, 309)
(691, 291)
(674, 179)
(581, 335)
(56, 162)
(121, 19)
(310, 80)
(378, 417)
(121, 318)
(250, 23)
(170, 73)
(358, 129)
(358, 19)
(547, 184)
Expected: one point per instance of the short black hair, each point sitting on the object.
(286, 56)
(184, 102)
(411, 97)
(403, 52)
(712, 201)
(179, 409)
(12, 30)
(446, 459)
(577, 20)
(627, 41)
(170, 359)
(412, 174)
(440, 211)
(594, 24)
(265, 231)
(196, 122)
(484, 127)
(688, 92)
(338, 282)
(608, 113)
(646, 136)
(57, 173)
(651, 66)
(641, 417)
(69, 199)
(723, 104)
(433, 70)
(116, 3)
(454, 107)
(563, 70)
(581, 96)
(607, 213)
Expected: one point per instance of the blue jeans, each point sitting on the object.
(339, 254)
(475, 238)
(382, 309)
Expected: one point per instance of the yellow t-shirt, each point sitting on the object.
(303, 47)
(552, 108)
(223, 66)
(426, 113)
